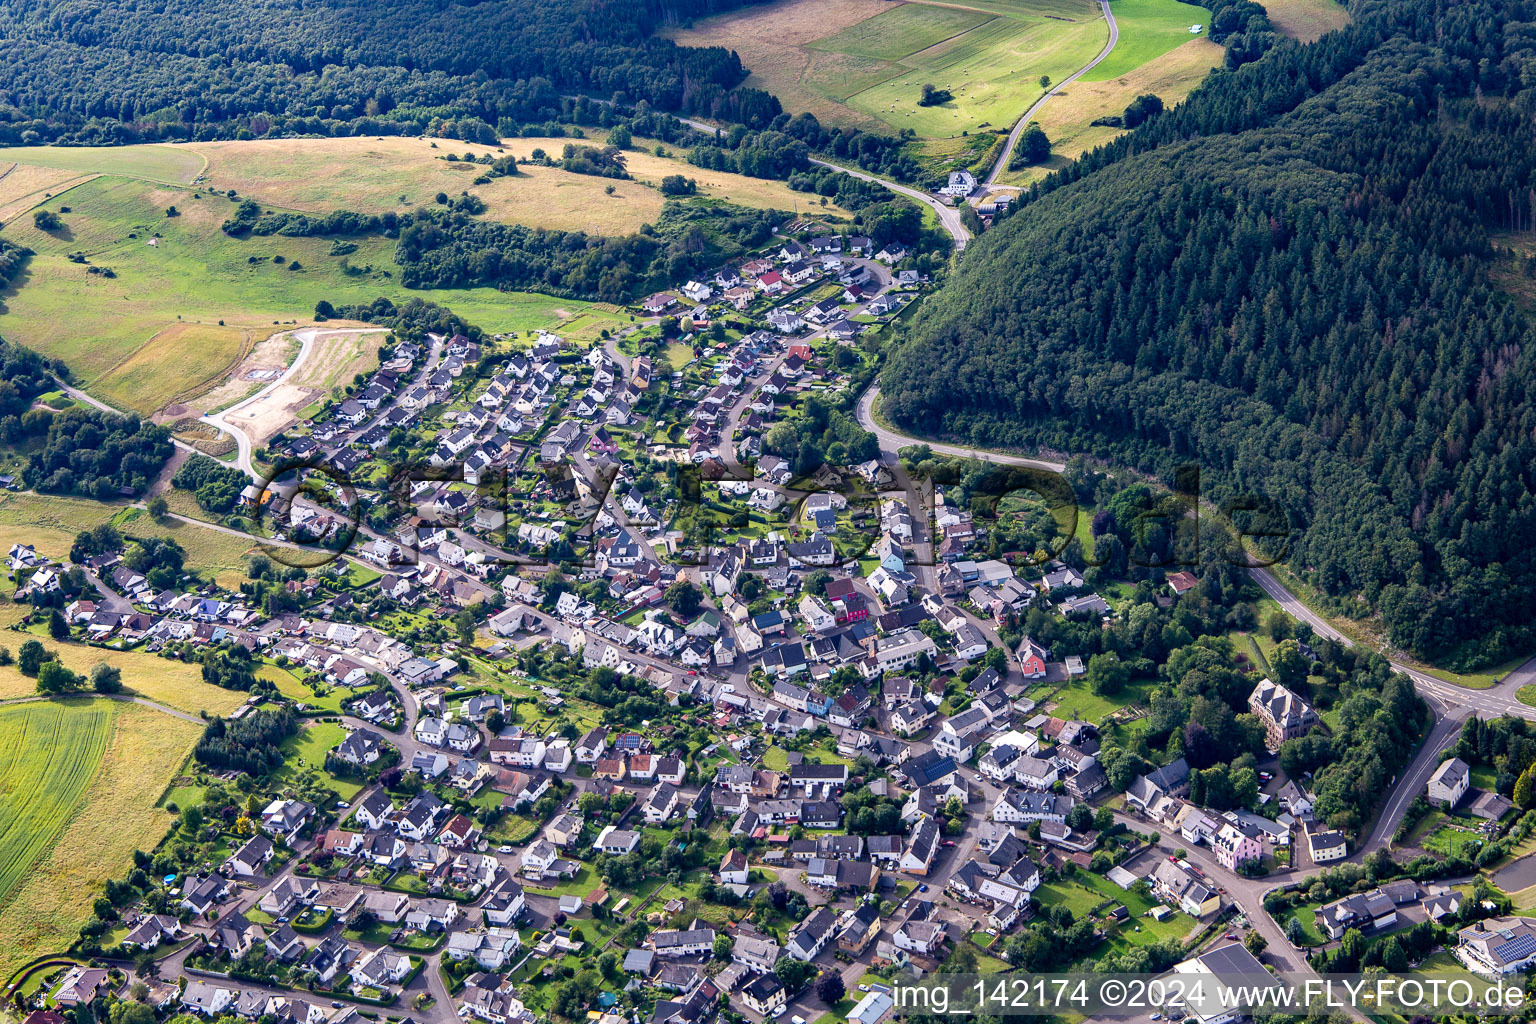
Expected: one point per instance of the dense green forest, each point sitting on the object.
(117, 70)
(1284, 280)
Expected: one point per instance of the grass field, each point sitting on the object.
(51, 752)
(375, 175)
(187, 302)
(1306, 20)
(23, 186)
(648, 169)
(172, 683)
(171, 296)
(863, 64)
(308, 750)
(993, 71)
(97, 830)
(1148, 29)
(901, 31)
(178, 165)
(1078, 700)
(50, 523)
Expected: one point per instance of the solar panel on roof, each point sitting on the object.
(1516, 949)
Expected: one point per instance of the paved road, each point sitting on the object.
(306, 345)
(1029, 115)
(890, 440)
(949, 216)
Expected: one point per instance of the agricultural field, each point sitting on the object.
(51, 752)
(106, 765)
(23, 186)
(1067, 118)
(864, 64)
(1148, 29)
(185, 303)
(377, 175)
(50, 523)
(993, 71)
(1306, 20)
(166, 681)
(194, 274)
(175, 165)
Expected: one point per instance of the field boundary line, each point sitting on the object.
(200, 388)
(1017, 131)
(68, 187)
(63, 823)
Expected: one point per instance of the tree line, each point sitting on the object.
(117, 72)
(1320, 328)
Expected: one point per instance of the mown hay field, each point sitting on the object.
(97, 825)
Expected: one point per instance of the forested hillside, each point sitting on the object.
(1284, 281)
(118, 70)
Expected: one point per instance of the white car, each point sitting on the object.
(504, 849)
(797, 1019)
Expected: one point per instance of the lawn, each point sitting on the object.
(173, 683)
(1449, 839)
(308, 750)
(1305, 915)
(1148, 29)
(1077, 898)
(292, 687)
(114, 815)
(1076, 699)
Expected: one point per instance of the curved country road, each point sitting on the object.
(243, 444)
(890, 440)
(949, 216)
(1452, 703)
(1023, 122)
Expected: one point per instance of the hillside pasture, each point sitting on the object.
(992, 70)
(95, 831)
(170, 296)
(177, 165)
(864, 64)
(23, 186)
(902, 30)
(774, 41)
(648, 169)
(1067, 118)
(1148, 29)
(378, 175)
